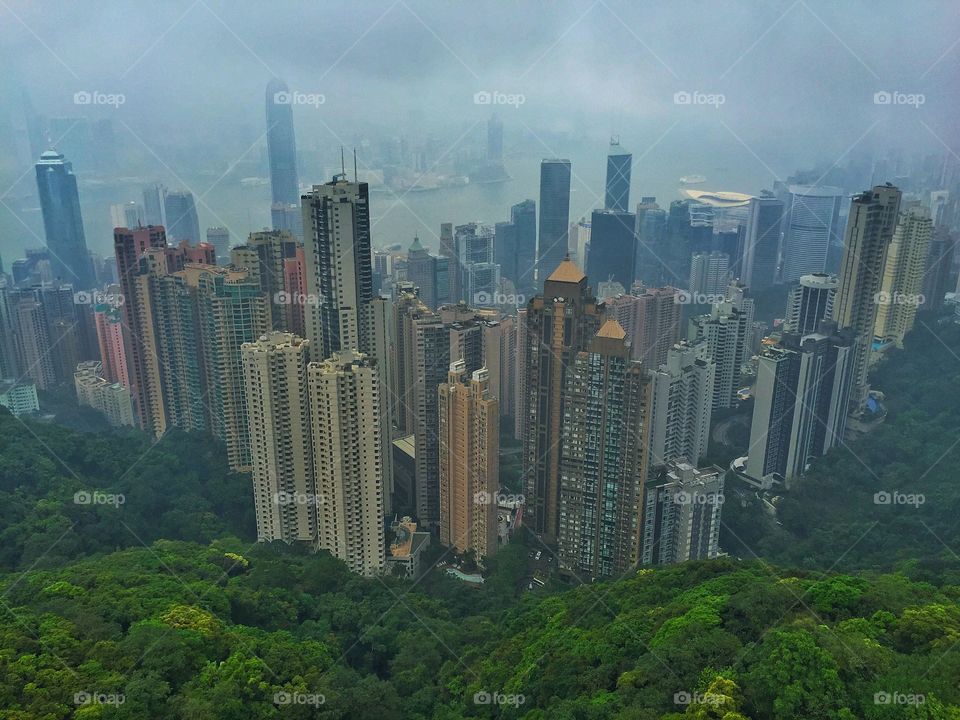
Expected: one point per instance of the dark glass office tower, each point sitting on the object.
(613, 248)
(281, 144)
(62, 221)
(515, 247)
(758, 266)
(180, 213)
(554, 216)
(618, 178)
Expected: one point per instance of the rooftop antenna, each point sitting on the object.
(355, 165)
(343, 167)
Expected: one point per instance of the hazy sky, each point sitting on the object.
(797, 80)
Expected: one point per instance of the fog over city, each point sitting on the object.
(796, 80)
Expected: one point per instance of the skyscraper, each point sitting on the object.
(469, 422)
(603, 458)
(681, 519)
(523, 217)
(232, 310)
(801, 398)
(153, 202)
(112, 341)
(558, 325)
(939, 264)
(726, 331)
(810, 225)
(181, 216)
(619, 163)
(657, 325)
(681, 405)
(479, 274)
(810, 302)
(422, 272)
(903, 275)
(336, 223)
(281, 145)
(284, 487)
(554, 216)
(62, 221)
(129, 246)
(613, 247)
(219, 237)
(344, 403)
(709, 274)
(264, 255)
(422, 359)
(870, 227)
(758, 264)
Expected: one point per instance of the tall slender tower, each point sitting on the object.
(129, 246)
(62, 221)
(345, 408)
(558, 325)
(761, 250)
(336, 222)
(810, 302)
(281, 153)
(469, 466)
(903, 277)
(681, 405)
(603, 458)
(619, 163)
(284, 488)
(554, 216)
(870, 226)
